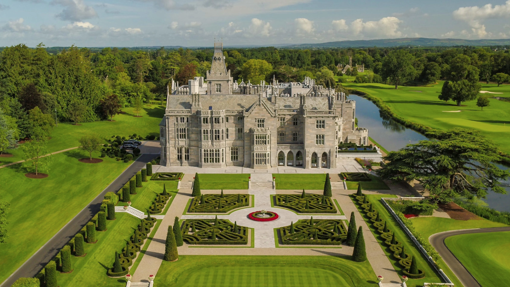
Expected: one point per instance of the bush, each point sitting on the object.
(136, 151)
(26, 282)
(360, 253)
(485, 212)
(148, 166)
(171, 253)
(144, 175)
(412, 207)
(128, 157)
(65, 255)
(50, 272)
(167, 175)
(178, 232)
(79, 249)
(125, 194)
(101, 224)
(138, 179)
(159, 203)
(91, 233)
(132, 186)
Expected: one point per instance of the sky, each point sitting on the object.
(191, 23)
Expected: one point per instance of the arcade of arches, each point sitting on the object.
(296, 159)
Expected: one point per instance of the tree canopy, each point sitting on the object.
(398, 67)
(460, 162)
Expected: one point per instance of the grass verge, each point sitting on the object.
(300, 181)
(224, 181)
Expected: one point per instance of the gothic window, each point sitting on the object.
(181, 133)
(216, 135)
(260, 158)
(295, 121)
(319, 139)
(205, 120)
(320, 124)
(240, 133)
(260, 123)
(205, 135)
(282, 121)
(216, 120)
(294, 137)
(226, 119)
(261, 139)
(216, 155)
(234, 154)
(282, 137)
(183, 119)
(239, 119)
(186, 154)
(206, 156)
(221, 134)
(179, 153)
(218, 88)
(226, 133)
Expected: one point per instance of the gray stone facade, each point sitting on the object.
(225, 125)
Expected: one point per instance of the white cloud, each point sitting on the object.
(170, 5)
(339, 25)
(217, 4)
(187, 29)
(448, 34)
(16, 26)
(386, 27)
(75, 10)
(133, 31)
(174, 25)
(475, 16)
(259, 28)
(85, 25)
(409, 13)
(303, 26)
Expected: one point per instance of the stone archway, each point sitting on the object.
(290, 159)
(281, 158)
(299, 158)
(324, 160)
(314, 161)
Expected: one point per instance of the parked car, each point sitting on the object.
(137, 142)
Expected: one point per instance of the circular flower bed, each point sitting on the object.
(263, 216)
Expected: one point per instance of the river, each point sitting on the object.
(394, 136)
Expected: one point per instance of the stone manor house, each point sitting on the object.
(221, 123)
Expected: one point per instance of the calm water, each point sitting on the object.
(393, 136)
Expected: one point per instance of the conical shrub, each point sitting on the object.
(303, 194)
(292, 231)
(196, 186)
(116, 265)
(359, 254)
(414, 267)
(359, 192)
(79, 249)
(178, 232)
(221, 195)
(327, 187)
(164, 190)
(351, 231)
(403, 253)
(171, 253)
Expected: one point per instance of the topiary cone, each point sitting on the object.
(327, 187)
(178, 232)
(164, 189)
(351, 231)
(292, 231)
(303, 194)
(221, 195)
(414, 267)
(403, 253)
(359, 192)
(359, 254)
(216, 220)
(116, 264)
(196, 187)
(307, 205)
(311, 221)
(171, 253)
(394, 240)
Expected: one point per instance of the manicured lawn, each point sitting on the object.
(427, 226)
(145, 195)
(270, 271)
(421, 105)
(91, 269)
(375, 184)
(66, 135)
(486, 256)
(39, 208)
(300, 181)
(223, 181)
(430, 275)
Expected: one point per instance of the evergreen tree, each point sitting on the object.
(132, 186)
(307, 205)
(414, 266)
(126, 194)
(164, 190)
(116, 264)
(101, 221)
(196, 186)
(91, 233)
(79, 249)
(394, 240)
(236, 230)
(311, 221)
(65, 256)
(221, 195)
(136, 239)
(178, 232)
(170, 246)
(359, 254)
(148, 166)
(403, 252)
(327, 187)
(213, 235)
(138, 179)
(111, 210)
(202, 199)
(51, 274)
(359, 193)
(216, 220)
(239, 198)
(292, 231)
(303, 194)
(351, 231)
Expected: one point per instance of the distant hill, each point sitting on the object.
(402, 42)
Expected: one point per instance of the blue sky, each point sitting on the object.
(244, 22)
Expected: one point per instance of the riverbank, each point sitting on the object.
(419, 108)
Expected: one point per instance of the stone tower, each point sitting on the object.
(218, 78)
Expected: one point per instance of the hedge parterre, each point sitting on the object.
(214, 231)
(314, 232)
(167, 176)
(310, 203)
(218, 203)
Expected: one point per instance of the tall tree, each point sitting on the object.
(398, 67)
(9, 133)
(4, 207)
(33, 154)
(188, 72)
(500, 78)
(111, 106)
(460, 162)
(76, 111)
(178, 232)
(138, 106)
(462, 84)
(90, 143)
(483, 101)
(359, 253)
(171, 253)
(42, 124)
(30, 97)
(256, 71)
(327, 187)
(351, 231)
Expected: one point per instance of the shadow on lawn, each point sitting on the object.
(155, 112)
(427, 103)
(492, 122)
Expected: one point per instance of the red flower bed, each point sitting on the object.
(410, 215)
(274, 216)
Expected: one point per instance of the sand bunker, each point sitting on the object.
(487, 92)
(452, 111)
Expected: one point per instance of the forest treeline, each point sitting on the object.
(80, 79)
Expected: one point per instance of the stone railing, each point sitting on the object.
(417, 243)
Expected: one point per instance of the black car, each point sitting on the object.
(137, 142)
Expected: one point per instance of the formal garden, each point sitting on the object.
(305, 202)
(313, 232)
(218, 203)
(214, 231)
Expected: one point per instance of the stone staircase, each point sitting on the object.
(261, 181)
(139, 284)
(131, 210)
(337, 185)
